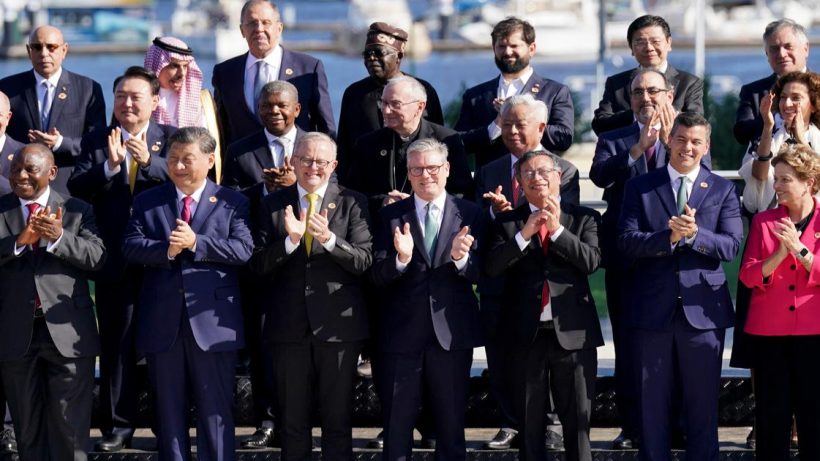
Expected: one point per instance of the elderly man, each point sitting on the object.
(191, 235)
(360, 114)
(54, 106)
(514, 47)
(787, 50)
(546, 248)
(180, 81)
(678, 224)
(8, 147)
(650, 40)
(265, 61)
(314, 234)
(48, 334)
(116, 165)
(426, 261)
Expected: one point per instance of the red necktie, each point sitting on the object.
(516, 191)
(32, 209)
(545, 243)
(650, 158)
(186, 208)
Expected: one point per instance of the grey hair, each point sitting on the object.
(416, 89)
(194, 135)
(278, 86)
(427, 144)
(538, 109)
(315, 136)
(775, 26)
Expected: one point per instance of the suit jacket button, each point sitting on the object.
(180, 291)
(538, 297)
(791, 308)
(307, 287)
(793, 267)
(791, 287)
(307, 266)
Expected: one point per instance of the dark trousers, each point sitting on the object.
(626, 387)
(210, 378)
(498, 350)
(255, 352)
(446, 376)
(570, 375)
(49, 397)
(693, 358)
(327, 371)
(786, 377)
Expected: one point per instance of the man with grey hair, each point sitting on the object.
(426, 261)
(787, 50)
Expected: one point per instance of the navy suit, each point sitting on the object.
(748, 123)
(614, 110)
(431, 325)
(679, 305)
(190, 322)
(477, 112)
(10, 147)
(305, 72)
(77, 109)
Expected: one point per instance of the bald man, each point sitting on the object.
(53, 106)
(8, 145)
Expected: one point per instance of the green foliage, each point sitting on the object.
(583, 126)
(727, 154)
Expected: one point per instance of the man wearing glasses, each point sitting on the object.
(650, 40)
(265, 61)
(53, 106)
(383, 52)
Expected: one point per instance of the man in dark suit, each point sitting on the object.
(514, 46)
(426, 262)
(191, 236)
(787, 50)
(379, 164)
(265, 61)
(53, 106)
(48, 334)
(360, 114)
(678, 224)
(116, 164)
(546, 250)
(650, 40)
(316, 338)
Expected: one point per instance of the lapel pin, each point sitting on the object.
(212, 199)
(62, 95)
(383, 153)
(703, 185)
(817, 235)
(288, 71)
(155, 148)
(536, 88)
(331, 205)
(11, 157)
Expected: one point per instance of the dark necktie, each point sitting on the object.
(651, 159)
(32, 209)
(45, 108)
(186, 208)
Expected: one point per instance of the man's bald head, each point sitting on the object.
(46, 50)
(38, 150)
(5, 113)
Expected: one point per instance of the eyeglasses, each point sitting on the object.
(51, 47)
(265, 23)
(543, 172)
(393, 105)
(643, 43)
(432, 170)
(639, 92)
(377, 53)
(308, 162)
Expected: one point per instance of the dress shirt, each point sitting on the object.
(288, 140)
(2, 141)
(42, 200)
(330, 245)
(674, 177)
(125, 163)
(274, 62)
(196, 196)
(52, 86)
(421, 214)
(546, 312)
(505, 90)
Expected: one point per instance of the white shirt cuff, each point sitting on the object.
(400, 266)
(330, 245)
(110, 173)
(52, 246)
(493, 130)
(555, 234)
(461, 262)
(58, 143)
(290, 247)
(519, 239)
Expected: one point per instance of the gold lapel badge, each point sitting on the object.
(536, 88)
(288, 71)
(155, 148)
(212, 199)
(704, 185)
(62, 95)
(331, 205)
(11, 157)
(817, 235)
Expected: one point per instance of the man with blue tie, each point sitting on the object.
(426, 261)
(678, 224)
(191, 235)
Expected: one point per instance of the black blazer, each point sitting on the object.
(320, 294)
(431, 301)
(10, 147)
(498, 172)
(245, 160)
(570, 259)
(614, 110)
(306, 73)
(748, 123)
(78, 109)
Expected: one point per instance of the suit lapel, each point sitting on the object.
(450, 225)
(58, 103)
(155, 138)
(411, 217)
(663, 187)
(239, 90)
(13, 214)
(208, 202)
(171, 209)
(534, 85)
(30, 94)
(263, 155)
(700, 189)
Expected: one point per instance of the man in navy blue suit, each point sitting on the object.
(53, 106)
(191, 236)
(514, 46)
(679, 223)
(265, 61)
(426, 261)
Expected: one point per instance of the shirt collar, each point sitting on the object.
(42, 200)
(438, 201)
(522, 79)
(196, 195)
(290, 136)
(674, 175)
(274, 58)
(52, 81)
(126, 135)
(320, 191)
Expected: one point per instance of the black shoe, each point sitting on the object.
(503, 440)
(8, 444)
(555, 441)
(751, 440)
(622, 442)
(378, 442)
(113, 442)
(262, 438)
(428, 443)
(678, 440)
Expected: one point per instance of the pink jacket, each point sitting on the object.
(789, 304)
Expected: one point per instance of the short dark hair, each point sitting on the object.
(527, 156)
(511, 25)
(141, 73)
(691, 119)
(647, 70)
(645, 21)
(39, 149)
(251, 3)
(194, 135)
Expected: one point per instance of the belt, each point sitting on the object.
(38, 313)
(547, 325)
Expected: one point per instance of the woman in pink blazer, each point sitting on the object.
(784, 313)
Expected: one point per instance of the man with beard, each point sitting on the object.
(514, 46)
(360, 114)
(650, 40)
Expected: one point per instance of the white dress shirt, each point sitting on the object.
(546, 311)
(437, 212)
(52, 92)
(288, 140)
(127, 162)
(304, 204)
(274, 63)
(42, 200)
(504, 91)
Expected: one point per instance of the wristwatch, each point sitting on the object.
(764, 158)
(803, 253)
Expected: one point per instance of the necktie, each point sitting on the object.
(516, 191)
(544, 234)
(278, 148)
(312, 199)
(258, 83)
(650, 158)
(430, 230)
(683, 195)
(45, 107)
(32, 208)
(132, 174)
(186, 208)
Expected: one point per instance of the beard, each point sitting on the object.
(512, 67)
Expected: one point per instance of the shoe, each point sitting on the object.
(262, 438)
(794, 445)
(554, 441)
(678, 440)
(503, 440)
(364, 369)
(622, 442)
(428, 443)
(378, 442)
(751, 440)
(113, 442)
(8, 444)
